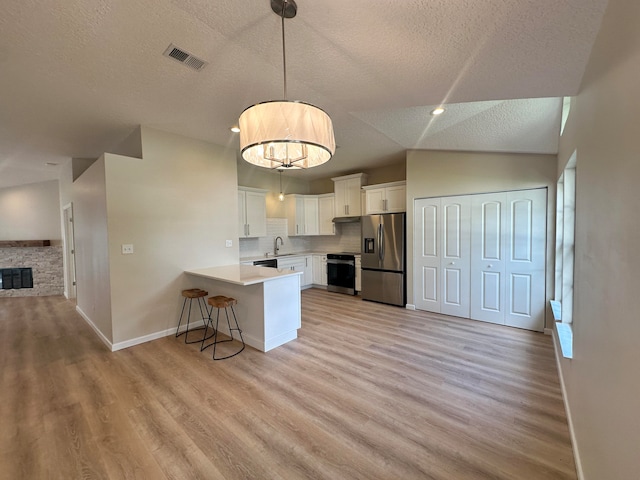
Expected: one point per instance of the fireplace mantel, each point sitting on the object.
(24, 243)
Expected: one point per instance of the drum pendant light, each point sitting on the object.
(286, 134)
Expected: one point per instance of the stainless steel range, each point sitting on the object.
(341, 273)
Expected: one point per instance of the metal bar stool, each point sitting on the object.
(190, 294)
(220, 301)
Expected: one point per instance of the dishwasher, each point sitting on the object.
(269, 262)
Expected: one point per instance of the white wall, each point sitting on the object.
(88, 193)
(602, 381)
(439, 173)
(30, 212)
(177, 206)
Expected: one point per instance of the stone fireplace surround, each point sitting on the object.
(43, 256)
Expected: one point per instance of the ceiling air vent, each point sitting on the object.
(184, 57)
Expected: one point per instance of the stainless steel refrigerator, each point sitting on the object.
(383, 258)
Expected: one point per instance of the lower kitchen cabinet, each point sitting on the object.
(358, 273)
(320, 270)
(302, 264)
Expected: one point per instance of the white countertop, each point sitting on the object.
(242, 274)
(288, 254)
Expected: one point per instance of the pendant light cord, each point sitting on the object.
(284, 57)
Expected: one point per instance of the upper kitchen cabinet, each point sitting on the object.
(252, 212)
(385, 198)
(302, 214)
(348, 194)
(326, 212)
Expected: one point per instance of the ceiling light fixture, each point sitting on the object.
(437, 111)
(281, 196)
(286, 134)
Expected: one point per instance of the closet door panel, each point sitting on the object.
(526, 260)
(427, 260)
(456, 255)
(488, 258)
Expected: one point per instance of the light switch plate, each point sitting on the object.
(228, 243)
(127, 248)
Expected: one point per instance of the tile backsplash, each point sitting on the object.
(347, 239)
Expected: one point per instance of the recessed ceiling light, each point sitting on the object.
(437, 111)
(235, 129)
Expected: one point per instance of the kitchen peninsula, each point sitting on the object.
(268, 307)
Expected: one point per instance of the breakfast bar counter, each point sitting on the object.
(268, 309)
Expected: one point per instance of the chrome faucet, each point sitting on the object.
(275, 245)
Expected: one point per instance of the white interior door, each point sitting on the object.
(526, 259)
(426, 254)
(456, 256)
(487, 258)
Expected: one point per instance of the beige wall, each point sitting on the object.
(602, 381)
(257, 177)
(389, 173)
(91, 240)
(177, 206)
(30, 212)
(439, 173)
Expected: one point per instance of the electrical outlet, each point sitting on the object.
(228, 243)
(127, 248)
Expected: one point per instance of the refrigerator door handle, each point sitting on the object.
(380, 242)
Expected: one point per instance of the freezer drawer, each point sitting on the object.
(383, 287)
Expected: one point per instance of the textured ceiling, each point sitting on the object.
(78, 75)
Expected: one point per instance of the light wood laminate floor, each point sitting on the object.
(367, 391)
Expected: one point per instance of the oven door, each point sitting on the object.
(341, 276)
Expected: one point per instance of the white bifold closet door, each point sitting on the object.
(443, 259)
(482, 257)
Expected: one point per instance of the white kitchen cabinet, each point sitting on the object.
(348, 194)
(252, 212)
(320, 270)
(358, 273)
(385, 198)
(307, 278)
(326, 212)
(302, 263)
(302, 214)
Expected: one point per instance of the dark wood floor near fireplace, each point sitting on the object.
(366, 392)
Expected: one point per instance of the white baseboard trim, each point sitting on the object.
(410, 306)
(574, 442)
(101, 336)
(143, 339)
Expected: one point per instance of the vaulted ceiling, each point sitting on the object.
(78, 75)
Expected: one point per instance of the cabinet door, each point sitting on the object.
(323, 273)
(294, 207)
(358, 274)
(354, 208)
(341, 199)
(374, 201)
(395, 199)
(242, 215)
(310, 215)
(307, 278)
(326, 212)
(256, 214)
(317, 270)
